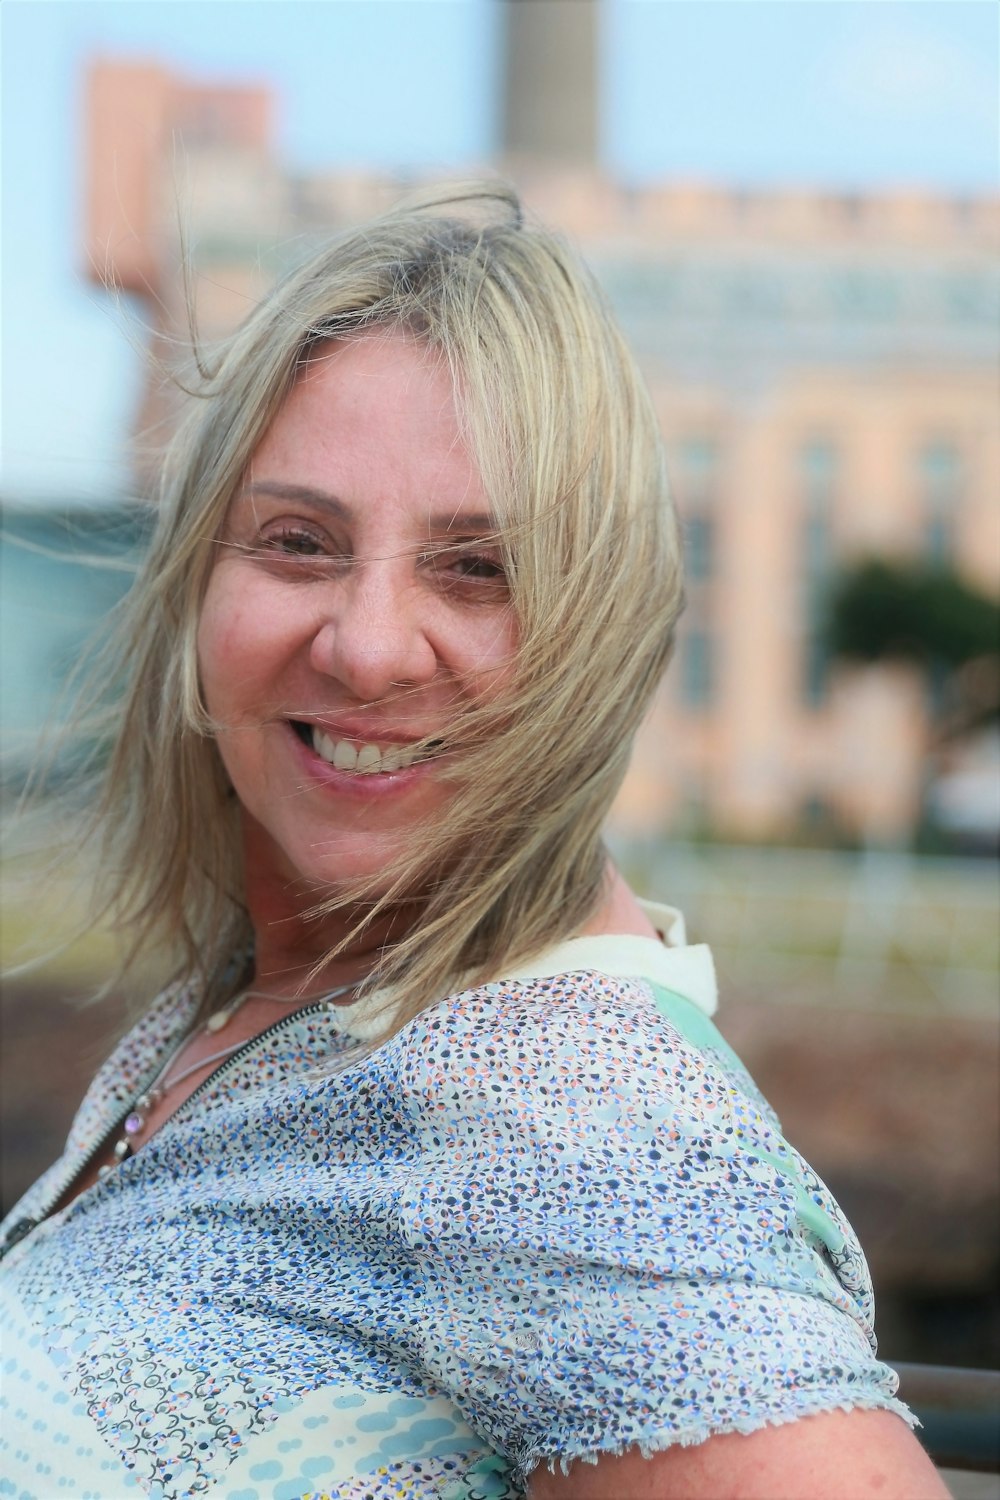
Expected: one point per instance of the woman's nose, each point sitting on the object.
(374, 638)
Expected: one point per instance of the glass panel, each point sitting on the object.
(696, 669)
(697, 470)
(816, 546)
(940, 467)
(939, 471)
(698, 548)
(938, 541)
(816, 670)
(819, 469)
(819, 463)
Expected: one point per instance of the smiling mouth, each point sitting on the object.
(369, 759)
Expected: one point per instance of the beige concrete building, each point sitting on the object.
(825, 372)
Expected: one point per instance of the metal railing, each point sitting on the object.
(960, 1413)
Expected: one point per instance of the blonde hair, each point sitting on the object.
(557, 418)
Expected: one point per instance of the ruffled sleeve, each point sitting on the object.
(617, 1247)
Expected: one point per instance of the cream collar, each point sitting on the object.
(686, 968)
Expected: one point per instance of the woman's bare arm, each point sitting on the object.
(855, 1455)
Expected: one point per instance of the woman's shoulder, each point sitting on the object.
(588, 1055)
(597, 1188)
(578, 1008)
(622, 1011)
(598, 1065)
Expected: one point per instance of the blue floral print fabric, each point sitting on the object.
(549, 1218)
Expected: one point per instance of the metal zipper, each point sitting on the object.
(23, 1227)
(296, 1015)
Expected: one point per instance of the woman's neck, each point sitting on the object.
(298, 956)
(293, 945)
(618, 913)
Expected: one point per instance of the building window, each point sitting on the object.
(697, 669)
(816, 669)
(865, 295)
(939, 476)
(938, 684)
(697, 467)
(938, 541)
(819, 463)
(816, 547)
(697, 471)
(816, 813)
(940, 472)
(698, 548)
(819, 473)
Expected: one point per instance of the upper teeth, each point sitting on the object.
(367, 758)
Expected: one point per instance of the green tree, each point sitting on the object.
(910, 612)
(883, 611)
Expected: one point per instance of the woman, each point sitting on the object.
(430, 1176)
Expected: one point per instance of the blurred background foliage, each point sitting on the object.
(883, 610)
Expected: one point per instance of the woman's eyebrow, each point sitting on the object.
(303, 493)
(479, 523)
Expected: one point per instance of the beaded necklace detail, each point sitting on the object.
(161, 1085)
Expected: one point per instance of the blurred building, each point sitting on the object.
(824, 368)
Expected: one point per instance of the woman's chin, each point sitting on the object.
(289, 872)
(364, 874)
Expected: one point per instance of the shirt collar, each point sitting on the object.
(668, 960)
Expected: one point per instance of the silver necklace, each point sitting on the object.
(161, 1085)
(221, 1018)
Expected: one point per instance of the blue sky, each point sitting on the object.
(842, 93)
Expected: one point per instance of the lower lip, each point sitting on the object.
(363, 785)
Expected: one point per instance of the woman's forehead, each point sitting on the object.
(372, 422)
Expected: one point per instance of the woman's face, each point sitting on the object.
(357, 605)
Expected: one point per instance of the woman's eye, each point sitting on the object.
(294, 541)
(470, 570)
(487, 568)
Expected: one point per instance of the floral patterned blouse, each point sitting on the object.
(551, 1218)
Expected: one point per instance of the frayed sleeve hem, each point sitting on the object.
(558, 1458)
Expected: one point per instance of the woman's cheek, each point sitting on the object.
(495, 657)
(226, 645)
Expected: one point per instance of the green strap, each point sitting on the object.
(697, 1029)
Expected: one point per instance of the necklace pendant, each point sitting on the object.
(223, 1017)
(139, 1113)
